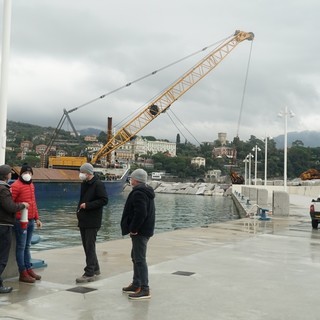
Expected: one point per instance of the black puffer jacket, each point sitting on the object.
(94, 195)
(139, 211)
(8, 207)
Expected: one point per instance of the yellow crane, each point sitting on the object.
(170, 95)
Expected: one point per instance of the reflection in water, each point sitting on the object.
(172, 212)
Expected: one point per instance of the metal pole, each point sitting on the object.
(255, 164)
(245, 169)
(285, 149)
(249, 174)
(6, 32)
(265, 160)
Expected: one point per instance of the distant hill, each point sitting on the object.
(90, 131)
(309, 139)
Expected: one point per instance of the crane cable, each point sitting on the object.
(244, 90)
(183, 126)
(148, 75)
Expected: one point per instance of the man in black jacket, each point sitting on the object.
(93, 197)
(8, 209)
(138, 220)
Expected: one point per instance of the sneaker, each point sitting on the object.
(97, 272)
(131, 289)
(142, 294)
(84, 278)
(5, 289)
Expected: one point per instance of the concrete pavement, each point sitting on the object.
(243, 269)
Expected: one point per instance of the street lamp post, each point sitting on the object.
(6, 33)
(245, 169)
(255, 149)
(249, 156)
(266, 159)
(285, 113)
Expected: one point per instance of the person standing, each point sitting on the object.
(93, 197)
(138, 220)
(23, 191)
(8, 209)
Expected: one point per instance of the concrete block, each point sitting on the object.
(253, 193)
(280, 203)
(262, 197)
(245, 191)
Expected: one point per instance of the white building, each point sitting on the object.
(144, 146)
(198, 161)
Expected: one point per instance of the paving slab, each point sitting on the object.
(243, 269)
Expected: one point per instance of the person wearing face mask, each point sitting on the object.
(8, 209)
(93, 197)
(23, 191)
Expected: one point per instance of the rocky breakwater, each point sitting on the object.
(202, 189)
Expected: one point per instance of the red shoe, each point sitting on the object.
(25, 277)
(33, 275)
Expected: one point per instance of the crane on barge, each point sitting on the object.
(163, 101)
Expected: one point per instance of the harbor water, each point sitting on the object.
(173, 211)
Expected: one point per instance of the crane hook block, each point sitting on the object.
(154, 110)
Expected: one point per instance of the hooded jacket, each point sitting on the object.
(8, 207)
(94, 195)
(139, 211)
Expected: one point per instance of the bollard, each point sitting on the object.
(264, 214)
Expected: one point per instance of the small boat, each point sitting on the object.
(156, 175)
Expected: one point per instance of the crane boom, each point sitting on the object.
(170, 95)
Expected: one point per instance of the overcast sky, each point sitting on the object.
(67, 52)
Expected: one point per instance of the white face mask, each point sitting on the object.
(26, 177)
(83, 176)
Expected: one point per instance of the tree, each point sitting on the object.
(297, 143)
(178, 139)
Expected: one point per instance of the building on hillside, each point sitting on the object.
(41, 148)
(198, 161)
(222, 137)
(92, 138)
(213, 175)
(61, 153)
(224, 152)
(144, 146)
(26, 146)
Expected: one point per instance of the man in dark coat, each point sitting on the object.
(93, 197)
(8, 209)
(138, 220)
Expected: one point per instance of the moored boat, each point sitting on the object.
(64, 184)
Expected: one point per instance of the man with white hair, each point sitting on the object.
(138, 220)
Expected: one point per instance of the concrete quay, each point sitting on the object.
(244, 269)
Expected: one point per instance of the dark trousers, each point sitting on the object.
(138, 256)
(88, 237)
(5, 244)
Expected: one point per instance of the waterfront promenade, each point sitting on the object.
(243, 269)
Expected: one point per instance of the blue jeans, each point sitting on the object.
(138, 256)
(5, 244)
(23, 239)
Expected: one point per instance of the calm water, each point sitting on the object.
(172, 212)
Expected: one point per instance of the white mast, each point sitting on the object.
(6, 31)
